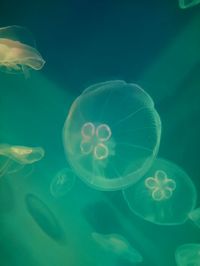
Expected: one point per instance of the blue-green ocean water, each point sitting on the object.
(152, 43)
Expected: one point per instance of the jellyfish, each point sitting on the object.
(18, 53)
(188, 3)
(165, 195)
(44, 217)
(62, 183)
(112, 134)
(16, 157)
(119, 246)
(188, 255)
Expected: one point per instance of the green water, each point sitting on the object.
(154, 45)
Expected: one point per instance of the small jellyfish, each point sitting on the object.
(183, 4)
(62, 183)
(188, 255)
(21, 155)
(119, 246)
(112, 135)
(157, 196)
(18, 53)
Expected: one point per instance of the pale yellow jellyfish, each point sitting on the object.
(20, 155)
(18, 53)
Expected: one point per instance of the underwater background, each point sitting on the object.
(152, 43)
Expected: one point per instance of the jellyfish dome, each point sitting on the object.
(165, 195)
(112, 135)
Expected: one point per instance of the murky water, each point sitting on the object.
(156, 45)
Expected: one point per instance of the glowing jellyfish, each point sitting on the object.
(18, 51)
(188, 3)
(112, 135)
(188, 255)
(166, 195)
(21, 155)
(118, 245)
(62, 183)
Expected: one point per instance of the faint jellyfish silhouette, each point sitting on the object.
(62, 183)
(112, 135)
(18, 53)
(18, 156)
(194, 215)
(165, 195)
(188, 255)
(188, 3)
(119, 246)
(44, 217)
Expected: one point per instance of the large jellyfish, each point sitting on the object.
(188, 255)
(62, 183)
(188, 3)
(18, 51)
(112, 134)
(18, 156)
(118, 245)
(165, 195)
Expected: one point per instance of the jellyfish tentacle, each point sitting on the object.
(18, 168)
(131, 115)
(136, 129)
(5, 167)
(134, 146)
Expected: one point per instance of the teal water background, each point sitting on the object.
(154, 44)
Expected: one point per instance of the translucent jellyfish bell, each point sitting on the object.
(18, 51)
(112, 135)
(21, 155)
(118, 245)
(62, 183)
(188, 3)
(165, 195)
(188, 255)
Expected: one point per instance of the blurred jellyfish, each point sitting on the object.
(194, 215)
(188, 255)
(118, 245)
(112, 135)
(18, 53)
(44, 217)
(188, 3)
(18, 156)
(62, 183)
(165, 195)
